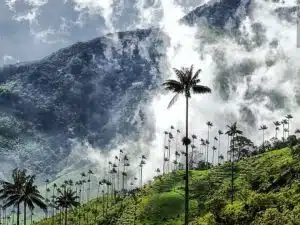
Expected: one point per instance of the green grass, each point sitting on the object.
(267, 191)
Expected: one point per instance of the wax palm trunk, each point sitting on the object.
(186, 205)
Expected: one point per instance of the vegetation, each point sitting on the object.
(267, 191)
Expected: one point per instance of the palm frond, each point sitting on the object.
(200, 89)
(173, 100)
(173, 85)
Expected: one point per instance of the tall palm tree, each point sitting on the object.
(165, 149)
(232, 131)
(83, 175)
(213, 155)
(206, 144)
(297, 131)
(277, 124)
(21, 190)
(263, 128)
(120, 157)
(283, 122)
(187, 82)
(194, 137)
(288, 116)
(67, 199)
(90, 172)
(169, 147)
(124, 172)
(219, 148)
(209, 126)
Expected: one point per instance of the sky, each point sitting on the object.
(33, 29)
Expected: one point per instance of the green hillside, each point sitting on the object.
(267, 191)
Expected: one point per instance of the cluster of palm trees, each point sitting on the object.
(187, 82)
(20, 193)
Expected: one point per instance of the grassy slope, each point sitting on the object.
(266, 193)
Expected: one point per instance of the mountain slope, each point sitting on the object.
(267, 191)
(219, 14)
(94, 91)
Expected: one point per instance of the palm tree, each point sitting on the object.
(220, 133)
(66, 200)
(187, 81)
(90, 172)
(209, 126)
(177, 154)
(21, 190)
(165, 149)
(142, 163)
(120, 156)
(283, 122)
(124, 173)
(194, 137)
(288, 116)
(277, 124)
(232, 131)
(47, 182)
(213, 156)
(169, 147)
(206, 144)
(263, 128)
(297, 131)
(83, 175)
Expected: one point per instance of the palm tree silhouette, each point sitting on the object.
(277, 124)
(67, 199)
(165, 149)
(288, 116)
(187, 81)
(283, 122)
(120, 156)
(90, 172)
(21, 190)
(219, 148)
(263, 128)
(213, 156)
(209, 126)
(297, 131)
(194, 137)
(206, 144)
(169, 147)
(232, 131)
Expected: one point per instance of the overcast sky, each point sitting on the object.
(32, 29)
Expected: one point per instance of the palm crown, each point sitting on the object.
(187, 81)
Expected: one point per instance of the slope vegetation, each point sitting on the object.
(267, 191)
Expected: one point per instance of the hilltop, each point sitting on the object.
(267, 191)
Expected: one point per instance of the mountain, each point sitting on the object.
(266, 192)
(95, 91)
(219, 14)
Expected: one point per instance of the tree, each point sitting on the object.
(194, 137)
(232, 131)
(67, 199)
(263, 128)
(165, 149)
(90, 172)
(283, 122)
(219, 148)
(209, 126)
(169, 148)
(288, 116)
(120, 157)
(277, 124)
(187, 81)
(21, 190)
